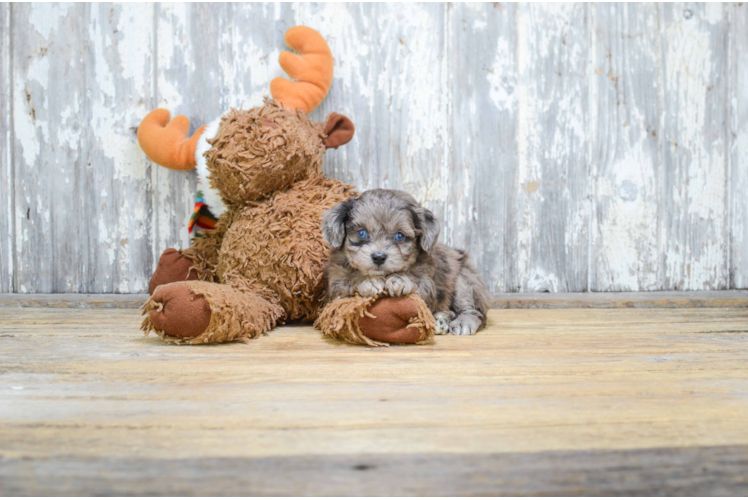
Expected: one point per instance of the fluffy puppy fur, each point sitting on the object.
(384, 242)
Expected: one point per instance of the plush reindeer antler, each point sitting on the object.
(168, 143)
(311, 71)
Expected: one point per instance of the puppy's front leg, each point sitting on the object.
(443, 319)
(370, 287)
(399, 284)
(426, 289)
(339, 287)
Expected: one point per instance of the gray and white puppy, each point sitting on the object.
(383, 241)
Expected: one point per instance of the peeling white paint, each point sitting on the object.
(552, 222)
(714, 13)
(46, 17)
(540, 280)
(25, 129)
(693, 80)
(336, 23)
(7, 256)
(577, 185)
(625, 163)
(172, 37)
(502, 91)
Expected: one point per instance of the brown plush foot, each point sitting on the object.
(393, 315)
(180, 313)
(172, 267)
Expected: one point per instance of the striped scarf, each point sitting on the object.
(201, 216)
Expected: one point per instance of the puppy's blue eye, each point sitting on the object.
(363, 234)
(399, 237)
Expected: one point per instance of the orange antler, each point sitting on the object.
(167, 143)
(311, 71)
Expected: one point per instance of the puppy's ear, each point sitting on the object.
(334, 221)
(429, 226)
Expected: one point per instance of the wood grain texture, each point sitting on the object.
(598, 400)
(568, 148)
(119, 188)
(616, 300)
(6, 161)
(74, 300)
(484, 185)
(51, 162)
(738, 155)
(701, 471)
(626, 106)
(604, 300)
(693, 197)
(552, 206)
(403, 133)
(81, 83)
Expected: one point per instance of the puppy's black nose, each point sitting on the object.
(378, 258)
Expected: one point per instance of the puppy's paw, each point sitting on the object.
(464, 325)
(397, 285)
(370, 287)
(442, 322)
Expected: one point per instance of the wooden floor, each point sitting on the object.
(569, 401)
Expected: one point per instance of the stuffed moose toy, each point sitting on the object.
(263, 262)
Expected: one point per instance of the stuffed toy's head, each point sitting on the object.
(257, 152)
(248, 155)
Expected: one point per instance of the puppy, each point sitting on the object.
(384, 241)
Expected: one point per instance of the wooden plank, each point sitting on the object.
(74, 300)
(484, 160)
(738, 156)
(626, 142)
(645, 300)
(7, 257)
(119, 185)
(82, 196)
(551, 247)
(48, 169)
(641, 300)
(702, 471)
(693, 229)
(597, 400)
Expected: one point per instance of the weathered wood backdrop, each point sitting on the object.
(569, 147)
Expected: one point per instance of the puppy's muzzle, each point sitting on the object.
(378, 258)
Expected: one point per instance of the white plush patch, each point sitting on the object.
(211, 196)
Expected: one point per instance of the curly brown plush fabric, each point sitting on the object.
(205, 250)
(264, 261)
(272, 253)
(263, 150)
(278, 245)
(397, 320)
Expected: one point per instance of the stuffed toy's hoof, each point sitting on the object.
(378, 321)
(389, 321)
(177, 312)
(198, 312)
(172, 267)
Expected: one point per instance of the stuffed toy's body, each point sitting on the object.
(261, 173)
